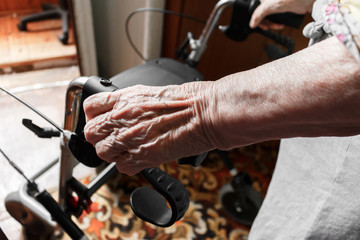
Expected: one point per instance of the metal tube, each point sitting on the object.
(102, 178)
(73, 101)
(44, 169)
(199, 46)
(33, 109)
(67, 160)
(213, 19)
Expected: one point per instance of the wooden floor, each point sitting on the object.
(36, 48)
(55, 65)
(45, 90)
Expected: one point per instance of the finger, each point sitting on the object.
(275, 26)
(259, 14)
(116, 122)
(131, 166)
(98, 128)
(131, 171)
(141, 111)
(98, 104)
(148, 130)
(264, 26)
(108, 151)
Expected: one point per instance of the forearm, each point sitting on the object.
(315, 92)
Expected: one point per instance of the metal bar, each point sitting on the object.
(46, 168)
(67, 160)
(102, 178)
(214, 18)
(199, 46)
(34, 110)
(31, 183)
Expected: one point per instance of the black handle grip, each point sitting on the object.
(194, 161)
(84, 151)
(150, 205)
(239, 29)
(288, 19)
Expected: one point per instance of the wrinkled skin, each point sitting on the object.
(142, 127)
(268, 7)
(314, 92)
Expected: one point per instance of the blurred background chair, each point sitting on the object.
(50, 11)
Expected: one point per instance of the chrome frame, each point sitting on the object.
(198, 46)
(72, 108)
(67, 160)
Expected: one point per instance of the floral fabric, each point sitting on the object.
(111, 218)
(338, 18)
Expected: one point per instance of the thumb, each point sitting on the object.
(98, 104)
(259, 14)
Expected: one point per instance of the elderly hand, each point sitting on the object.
(296, 96)
(141, 126)
(268, 7)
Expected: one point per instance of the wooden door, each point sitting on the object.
(22, 5)
(223, 56)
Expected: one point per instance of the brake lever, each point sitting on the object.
(150, 205)
(147, 204)
(40, 132)
(239, 28)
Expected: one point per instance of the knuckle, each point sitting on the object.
(104, 150)
(88, 102)
(89, 131)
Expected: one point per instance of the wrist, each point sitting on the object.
(312, 93)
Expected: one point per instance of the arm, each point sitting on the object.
(315, 92)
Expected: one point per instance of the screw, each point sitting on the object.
(105, 81)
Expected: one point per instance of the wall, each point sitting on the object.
(114, 53)
(222, 56)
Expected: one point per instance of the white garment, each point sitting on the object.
(314, 192)
(315, 189)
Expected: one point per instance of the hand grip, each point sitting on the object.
(84, 151)
(239, 29)
(150, 205)
(288, 19)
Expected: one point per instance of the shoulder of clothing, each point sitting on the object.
(340, 18)
(354, 7)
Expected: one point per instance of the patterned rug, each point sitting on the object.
(112, 218)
